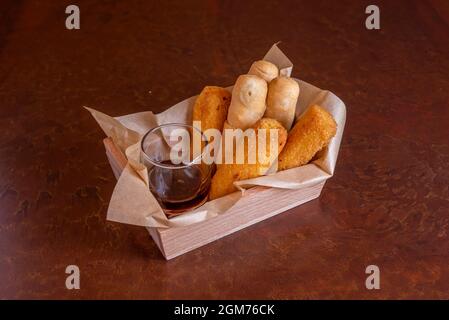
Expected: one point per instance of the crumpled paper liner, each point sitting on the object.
(133, 203)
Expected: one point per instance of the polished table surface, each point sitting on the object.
(387, 205)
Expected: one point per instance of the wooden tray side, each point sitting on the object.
(257, 204)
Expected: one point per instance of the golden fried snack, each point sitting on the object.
(312, 132)
(211, 107)
(222, 181)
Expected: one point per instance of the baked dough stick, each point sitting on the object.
(211, 107)
(312, 132)
(282, 96)
(223, 180)
(264, 69)
(248, 101)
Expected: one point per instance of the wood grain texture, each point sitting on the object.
(386, 205)
(256, 205)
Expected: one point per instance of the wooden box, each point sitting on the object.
(258, 203)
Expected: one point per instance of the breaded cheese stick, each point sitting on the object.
(211, 107)
(312, 132)
(223, 180)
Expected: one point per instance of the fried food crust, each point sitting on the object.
(311, 133)
(211, 107)
(222, 181)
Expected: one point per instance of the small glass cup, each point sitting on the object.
(179, 185)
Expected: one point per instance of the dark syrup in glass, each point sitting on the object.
(180, 189)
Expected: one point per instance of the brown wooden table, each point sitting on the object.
(387, 205)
